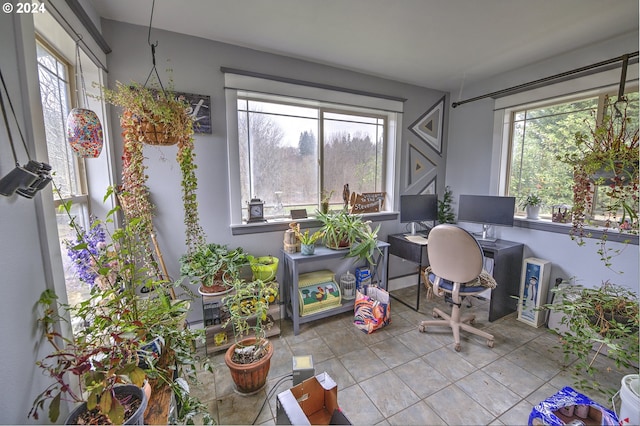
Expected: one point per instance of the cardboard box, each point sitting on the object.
(314, 401)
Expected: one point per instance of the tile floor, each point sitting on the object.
(399, 376)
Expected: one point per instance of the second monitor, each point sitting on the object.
(418, 208)
(487, 210)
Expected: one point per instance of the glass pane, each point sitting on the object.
(278, 158)
(353, 154)
(545, 134)
(77, 291)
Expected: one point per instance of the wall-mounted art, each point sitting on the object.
(429, 126)
(200, 111)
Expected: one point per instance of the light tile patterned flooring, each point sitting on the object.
(399, 376)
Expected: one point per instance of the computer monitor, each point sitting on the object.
(487, 210)
(418, 208)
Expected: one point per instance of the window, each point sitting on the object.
(540, 133)
(293, 152)
(69, 177)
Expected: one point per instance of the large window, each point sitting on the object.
(292, 153)
(69, 175)
(540, 133)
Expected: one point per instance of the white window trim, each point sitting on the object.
(235, 83)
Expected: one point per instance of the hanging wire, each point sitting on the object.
(153, 52)
(6, 122)
(623, 78)
(80, 77)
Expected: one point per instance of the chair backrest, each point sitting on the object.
(454, 254)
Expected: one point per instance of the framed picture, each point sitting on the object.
(429, 126)
(533, 290)
(200, 111)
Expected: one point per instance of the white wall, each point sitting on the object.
(470, 171)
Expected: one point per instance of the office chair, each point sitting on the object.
(455, 269)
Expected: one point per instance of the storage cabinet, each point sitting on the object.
(219, 338)
(292, 263)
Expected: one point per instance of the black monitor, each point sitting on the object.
(487, 210)
(418, 208)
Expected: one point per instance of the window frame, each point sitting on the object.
(581, 87)
(236, 85)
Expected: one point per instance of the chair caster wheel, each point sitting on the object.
(472, 321)
(490, 343)
(435, 314)
(422, 328)
(458, 347)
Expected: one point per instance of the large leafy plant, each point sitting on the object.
(113, 329)
(607, 317)
(343, 230)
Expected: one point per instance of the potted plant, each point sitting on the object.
(531, 203)
(325, 199)
(345, 231)
(215, 266)
(445, 212)
(101, 357)
(113, 329)
(264, 268)
(157, 117)
(606, 319)
(611, 148)
(307, 239)
(249, 358)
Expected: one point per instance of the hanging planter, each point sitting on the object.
(84, 133)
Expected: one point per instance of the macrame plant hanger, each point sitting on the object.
(84, 130)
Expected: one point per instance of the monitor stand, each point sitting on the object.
(414, 230)
(483, 236)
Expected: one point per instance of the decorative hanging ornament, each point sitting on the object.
(84, 133)
(84, 130)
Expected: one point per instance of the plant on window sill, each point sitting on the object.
(611, 148)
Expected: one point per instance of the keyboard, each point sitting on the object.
(417, 239)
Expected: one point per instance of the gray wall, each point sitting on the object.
(195, 65)
(469, 167)
(25, 269)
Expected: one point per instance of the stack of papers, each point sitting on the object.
(417, 239)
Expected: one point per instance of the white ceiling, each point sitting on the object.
(439, 44)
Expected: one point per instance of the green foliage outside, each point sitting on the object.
(540, 136)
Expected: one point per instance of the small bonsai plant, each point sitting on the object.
(606, 316)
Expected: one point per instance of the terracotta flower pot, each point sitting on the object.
(249, 378)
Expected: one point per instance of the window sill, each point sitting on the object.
(282, 224)
(564, 228)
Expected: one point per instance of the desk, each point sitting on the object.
(507, 258)
(291, 264)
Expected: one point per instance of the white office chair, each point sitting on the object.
(455, 267)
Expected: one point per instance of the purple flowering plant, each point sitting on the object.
(86, 249)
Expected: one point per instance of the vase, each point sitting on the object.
(533, 212)
(249, 378)
(137, 418)
(307, 249)
(84, 133)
